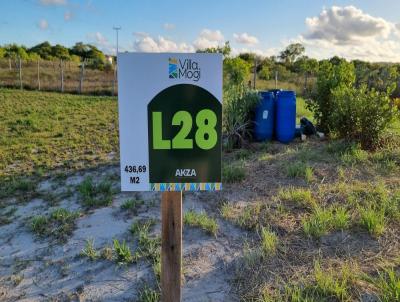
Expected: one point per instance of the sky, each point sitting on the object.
(359, 29)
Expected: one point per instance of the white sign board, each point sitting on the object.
(170, 120)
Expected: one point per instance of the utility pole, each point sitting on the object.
(116, 28)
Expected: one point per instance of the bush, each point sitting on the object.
(329, 77)
(361, 114)
(236, 71)
(239, 103)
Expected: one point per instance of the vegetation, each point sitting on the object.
(201, 220)
(95, 195)
(59, 224)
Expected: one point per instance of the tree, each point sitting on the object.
(80, 49)
(14, 51)
(291, 53)
(44, 50)
(60, 52)
(224, 50)
(265, 73)
(236, 70)
(2, 52)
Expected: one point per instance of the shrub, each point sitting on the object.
(236, 70)
(329, 77)
(361, 114)
(239, 103)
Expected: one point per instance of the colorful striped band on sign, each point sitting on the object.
(209, 186)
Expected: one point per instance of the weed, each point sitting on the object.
(309, 174)
(341, 220)
(132, 205)
(298, 196)
(93, 195)
(242, 154)
(148, 294)
(89, 250)
(318, 223)
(388, 285)
(269, 241)
(122, 252)
(107, 253)
(373, 221)
(227, 211)
(201, 220)
(299, 170)
(59, 224)
(142, 226)
(328, 284)
(233, 173)
(249, 218)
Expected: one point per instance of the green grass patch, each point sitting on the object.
(269, 242)
(233, 173)
(373, 221)
(299, 196)
(44, 130)
(132, 205)
(89, 250)
(202, 221)
(299, 169)
(387, 284)
(59, 224)
(95, 195)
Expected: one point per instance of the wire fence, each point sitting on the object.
(63, 76)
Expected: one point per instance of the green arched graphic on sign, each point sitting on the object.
(184, 124)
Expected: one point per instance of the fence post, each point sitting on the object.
(9, 63)
(81, 76)
(62, 75)
(20, 72)
(38, 73)
(276, 79)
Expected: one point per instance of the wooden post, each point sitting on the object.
(20, 73)
(276, 80)
(114, 80)
(38, 74)
(9, 64)
(62, 75)
(171, 246)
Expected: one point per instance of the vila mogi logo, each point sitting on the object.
(184, 69)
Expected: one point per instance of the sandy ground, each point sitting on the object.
(33, 269)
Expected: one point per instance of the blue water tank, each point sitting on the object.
(264, 117)
(285, 125)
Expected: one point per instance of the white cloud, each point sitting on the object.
(245, 38)
(43, 24)
(68, 15)
(146, 43)
(349, 32)
(169, 26)
(208, 38)
(53, 2)
(346, 25)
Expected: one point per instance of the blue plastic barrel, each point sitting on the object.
(264, 117)
(285, 116)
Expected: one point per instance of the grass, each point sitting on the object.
(233, 173)
(202, 221)
(387, 284)
(7, 216)
(59, 224)
(249, 217)
(300, 169)
(132, 205)
(95, 195)
(299, 196)
(373, 221)
(42, 131)
(269, 242)
(89, 250)
(148, 294)
(122, 252)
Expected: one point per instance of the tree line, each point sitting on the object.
(80, 52)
